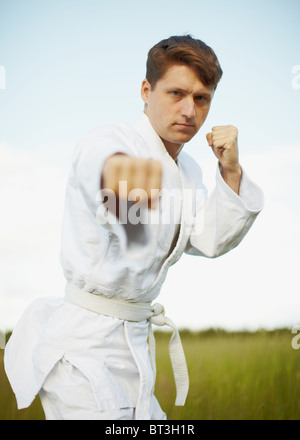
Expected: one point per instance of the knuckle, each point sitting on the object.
(155, 166)
(158, 169)
(124, 168)
(116, 163)
(110, 163)
(118, 158)
(233, 129)
(139, 162)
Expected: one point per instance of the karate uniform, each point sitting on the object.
(107, 357)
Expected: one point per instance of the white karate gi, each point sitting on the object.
(107, 359)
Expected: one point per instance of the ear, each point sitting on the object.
(145, 90)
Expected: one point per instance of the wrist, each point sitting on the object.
(232, 177)
(231, 171)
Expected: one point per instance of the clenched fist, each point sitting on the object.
(142, 176)
(224, 143)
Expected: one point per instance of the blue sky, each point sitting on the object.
(72, 65)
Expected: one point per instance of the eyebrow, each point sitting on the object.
(179, 89)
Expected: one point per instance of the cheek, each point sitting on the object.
(162, 117)
(158, 120)
(202, 115)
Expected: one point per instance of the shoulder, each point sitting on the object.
(107, 133)
(105, 139)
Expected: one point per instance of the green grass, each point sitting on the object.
(238, 376)
(233, 376)
(8, 406)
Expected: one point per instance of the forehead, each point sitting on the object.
(183, 77)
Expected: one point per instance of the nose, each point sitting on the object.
(188, 108)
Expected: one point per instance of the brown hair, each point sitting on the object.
(186, 50)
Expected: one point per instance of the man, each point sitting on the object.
(134, 204)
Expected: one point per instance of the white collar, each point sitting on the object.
(144, 127)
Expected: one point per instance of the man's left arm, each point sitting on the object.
(230, 210)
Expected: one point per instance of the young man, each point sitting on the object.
(87, 354)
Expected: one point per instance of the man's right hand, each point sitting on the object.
(141, 177)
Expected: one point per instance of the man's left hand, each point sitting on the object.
(224, 143)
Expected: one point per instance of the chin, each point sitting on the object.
(183, 136)
(185, 139)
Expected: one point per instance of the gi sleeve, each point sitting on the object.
(90, 156)
(225, 218)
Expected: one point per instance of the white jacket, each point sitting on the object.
(124, 261)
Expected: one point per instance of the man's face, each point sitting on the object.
(178, 106)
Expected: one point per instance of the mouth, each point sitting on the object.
(184, 126)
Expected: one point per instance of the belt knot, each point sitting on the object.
(158, 317)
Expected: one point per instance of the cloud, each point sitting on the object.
(257, 284)
(32, 196)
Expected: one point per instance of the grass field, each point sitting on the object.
(233, 376)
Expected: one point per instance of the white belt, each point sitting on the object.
(127, 311)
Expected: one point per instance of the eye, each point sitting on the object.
(175, 93)
(201, 99)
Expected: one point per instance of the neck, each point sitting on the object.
(173, 149)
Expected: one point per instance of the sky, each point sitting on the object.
(67, 66)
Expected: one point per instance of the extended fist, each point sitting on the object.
(141, 177)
